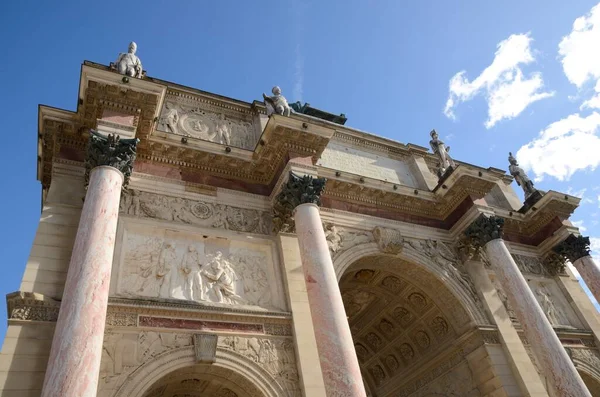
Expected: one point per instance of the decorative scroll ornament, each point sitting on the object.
(297, 190)
(573, 248)
(483, 230)
(113, 151)
(389, 241)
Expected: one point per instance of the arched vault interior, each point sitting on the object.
(403, 321)
(201, 381)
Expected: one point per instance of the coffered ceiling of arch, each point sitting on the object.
(202, 381)
(396, 325)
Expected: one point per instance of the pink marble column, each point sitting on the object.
(337, 355)
(74, 363)
(577, 250)
(590, 273)
(562, 379)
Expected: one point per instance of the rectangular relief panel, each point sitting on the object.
(191, 264)
(209, 120)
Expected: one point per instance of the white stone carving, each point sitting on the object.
(128, 63)
(340, 239)
(187, 270)
(554, 315)
(389, 241)
(447, 260)
(175, 209)
(202, 123)
(205, 347)
(504, 298)
(275, 355)
(529, 264)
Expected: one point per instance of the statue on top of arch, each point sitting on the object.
(128, 63)
(441, 150)
(520, 176)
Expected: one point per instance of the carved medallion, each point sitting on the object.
(393, 284)
(439, 326)
(417, 300)
(423, 339)
(361, 352)
(392, 363)
(407, 351)
(403, 316)
(374, 341)
(378, 374)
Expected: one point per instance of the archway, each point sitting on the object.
(201, 381)
(231, 375)
(411, 331)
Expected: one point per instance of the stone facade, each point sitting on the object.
(222, 282)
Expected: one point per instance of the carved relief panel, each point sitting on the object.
(201, 119)
(554, 304)
(194, 212)
(158, 263)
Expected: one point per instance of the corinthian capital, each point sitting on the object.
(297, 190)
(483, 230)
(112, 151)
(573, 248)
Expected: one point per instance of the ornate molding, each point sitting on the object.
(112, 151)
(483, 230)
(573, 248)
(31, 306)
(304, 189)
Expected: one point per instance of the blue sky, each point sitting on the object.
(390, 66)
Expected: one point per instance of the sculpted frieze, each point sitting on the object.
(195, 271)
(340, 239)
(274, 355)
(200, 122)
(176, 209)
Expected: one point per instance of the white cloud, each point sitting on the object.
(564, 147)
(581, 194)
(579, 225)
(507, 91)
(595, 245)
(578, 51)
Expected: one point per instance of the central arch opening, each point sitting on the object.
(202, 380)
(410, 332)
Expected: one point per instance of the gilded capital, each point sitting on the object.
(483, 230)
(573, 248)
(112, 151)
(297, 190)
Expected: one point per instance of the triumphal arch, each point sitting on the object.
(196, 245)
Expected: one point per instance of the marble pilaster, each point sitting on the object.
(74, 363)
(561, 377)
(576, 249)
(337, 355)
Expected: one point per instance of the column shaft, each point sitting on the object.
(339, 363)
(590, 272)
(562, 379)
(74, 362)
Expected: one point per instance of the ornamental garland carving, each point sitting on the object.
(176, 209)
(304, 189)
(112, 151)
(573, 248)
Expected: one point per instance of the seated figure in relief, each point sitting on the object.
(128, 63)
(277, 103)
